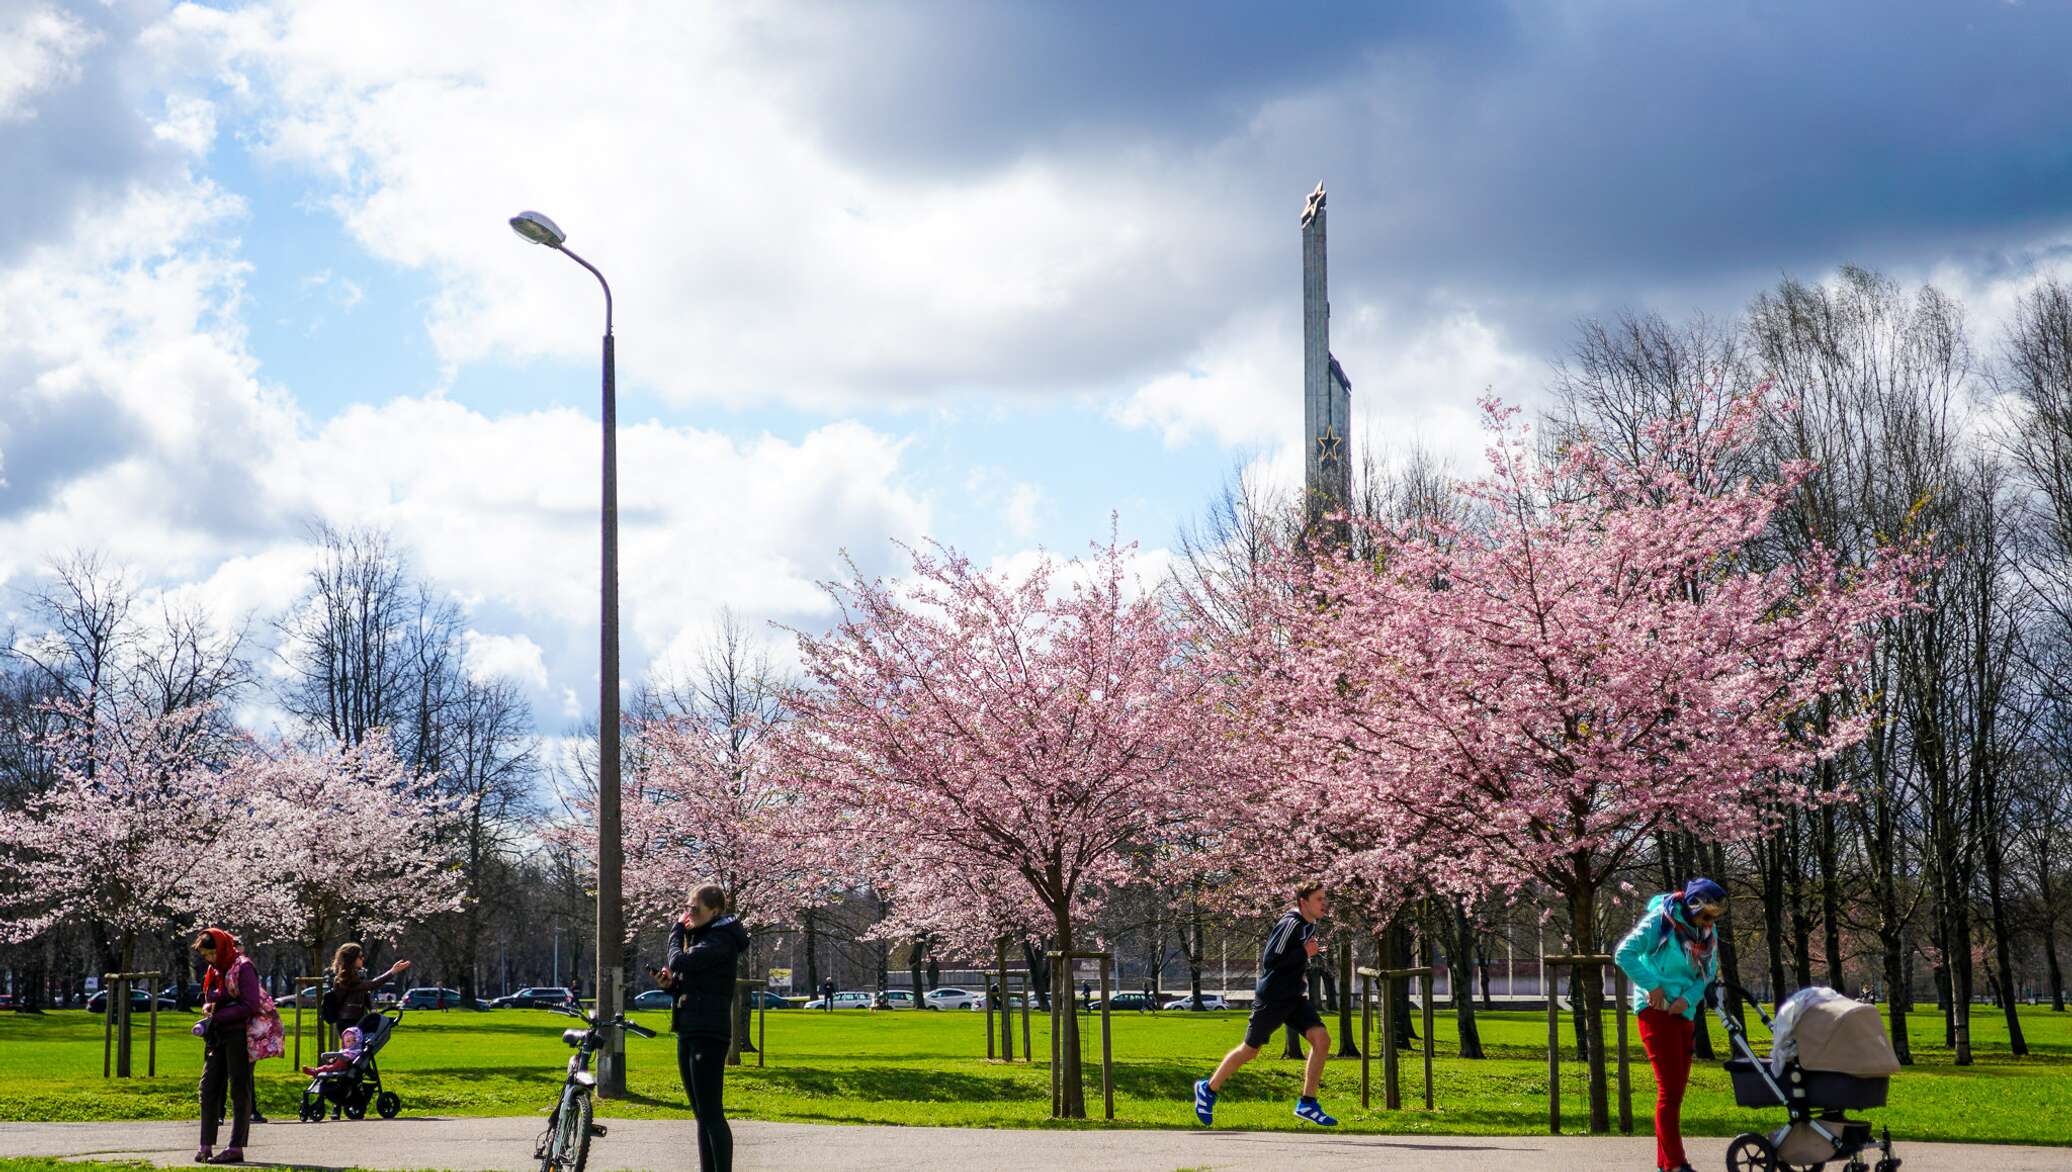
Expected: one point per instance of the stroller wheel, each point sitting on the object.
(356, 1110)
(1751, 1153)
(388, 1104)
(312, 1110)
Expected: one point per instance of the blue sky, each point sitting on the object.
(981, 272)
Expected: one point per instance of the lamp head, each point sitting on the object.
(538, 229)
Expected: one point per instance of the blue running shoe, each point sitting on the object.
(1311, 1110)
(1204, 1103)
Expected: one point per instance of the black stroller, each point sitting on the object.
(1837, 1041)
(352, 1089)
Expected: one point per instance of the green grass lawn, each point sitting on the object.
(929, 1069)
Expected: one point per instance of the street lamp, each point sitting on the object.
(611, 934)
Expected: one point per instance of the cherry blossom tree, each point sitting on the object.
(986, 727)
(702, 808)
(118, 840)
(1590, 656)
(333, 840)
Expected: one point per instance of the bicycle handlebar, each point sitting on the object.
(618, 1022)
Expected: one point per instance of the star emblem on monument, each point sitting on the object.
(1329, 447)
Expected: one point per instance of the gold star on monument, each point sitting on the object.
(1329, 447)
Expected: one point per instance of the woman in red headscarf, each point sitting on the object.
(230, 995)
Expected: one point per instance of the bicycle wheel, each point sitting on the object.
(569, 1150)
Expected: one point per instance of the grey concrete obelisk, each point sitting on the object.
(1327, 395)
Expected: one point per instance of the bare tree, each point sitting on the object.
(368, 647)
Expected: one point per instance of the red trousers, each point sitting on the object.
(1669, 1038)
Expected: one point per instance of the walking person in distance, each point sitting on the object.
(1281, 997)
(703, 947)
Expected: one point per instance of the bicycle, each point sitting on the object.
(565, 1145)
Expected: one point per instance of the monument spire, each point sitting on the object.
(1326, 392)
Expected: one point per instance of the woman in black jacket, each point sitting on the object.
(703, 948)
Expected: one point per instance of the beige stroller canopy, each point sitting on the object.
(1846, 1037)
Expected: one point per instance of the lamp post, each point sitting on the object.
(611, 934)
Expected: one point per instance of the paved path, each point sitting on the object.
(662, 1145)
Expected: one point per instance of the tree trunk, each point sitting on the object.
(1772, 860)
(1195, 950)
(1400, 956)
(1071, 1102)
(1039, 975)
(744, 1017)
(2002, 945)
(1347, 1047)
(1582, 911)
(1729, 954)
(1829, 851)
(1461, 974)
(914, 960)
(2050, 961)
(1801, 922)
(809, 922)
(1957, 959)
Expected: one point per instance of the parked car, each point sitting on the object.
(1127, 1003)
(765, 999)
(653, 999)
(140, 1001)
(6, 1001)
(978, 1001)
(430, 997)
(536, 997)
(847, 999)
(948, 998)
(307, 998)
(1208, 1001)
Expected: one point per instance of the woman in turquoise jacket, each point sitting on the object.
(1670, 958)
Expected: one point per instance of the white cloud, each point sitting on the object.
(1414, 384)
(512, 657)
(142, 430)
(681, 151)
(39, 51)
(1020, 513)
(189, 123)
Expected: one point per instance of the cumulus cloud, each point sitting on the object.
(135, 422)
(39, 49)
(511, 657)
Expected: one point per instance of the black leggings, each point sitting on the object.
(702, 1061)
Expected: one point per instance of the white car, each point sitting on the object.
(1208, 1001)
(950, 998)
(848, 999)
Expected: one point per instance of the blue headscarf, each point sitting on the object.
(1676, 921)
(1701, 891)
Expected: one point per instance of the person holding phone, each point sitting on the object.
(1670, 958)
(1281, 997)
(704, 946)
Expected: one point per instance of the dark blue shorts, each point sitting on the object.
(1272, 1015)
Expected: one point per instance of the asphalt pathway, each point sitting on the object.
(662, 1145)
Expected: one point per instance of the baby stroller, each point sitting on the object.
(352, 1089)
(1842, 1061)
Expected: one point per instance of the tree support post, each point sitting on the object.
(118, 1025)
(1391, 1075)
(1366, 1035)
(1596, 1054)
(1061, 1001)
